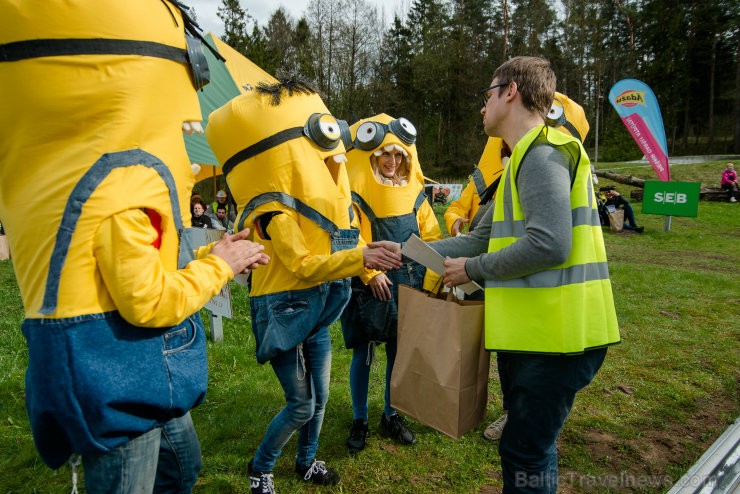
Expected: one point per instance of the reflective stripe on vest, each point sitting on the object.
(564, 310)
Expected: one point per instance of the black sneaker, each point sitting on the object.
(318, 473)
(357, 435)
(640, 229)
(395, 427)
(260, 483)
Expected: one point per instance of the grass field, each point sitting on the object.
(662, 397)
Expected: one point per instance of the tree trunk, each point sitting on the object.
(736, 112)
(622, 179)
(506, 30)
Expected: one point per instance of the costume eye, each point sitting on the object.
(404, 129)
(556, 115)
(329, 126)
(366, 132)
(369, 136)
(323, 129)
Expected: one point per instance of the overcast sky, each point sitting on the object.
(261, 10)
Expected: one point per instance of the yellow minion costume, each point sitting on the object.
(565, 114)
(96, 97)
(278, 145)
(388, 210)
(283, 156)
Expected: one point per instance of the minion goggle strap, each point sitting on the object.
(321, 128)
(34, 48)
(556, 118)
(370, 135)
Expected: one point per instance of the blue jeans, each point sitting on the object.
(304, 375)
(359, 377)
(539, 391)
(163, 460)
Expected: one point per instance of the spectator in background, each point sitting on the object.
(614, 201)
(729, 181)
(221, 220)
(222, 198)
(199, 218)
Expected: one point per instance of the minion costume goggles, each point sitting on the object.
(321, 128)
(556, 117)
(370, 135)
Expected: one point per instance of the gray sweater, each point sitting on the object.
(544, 192)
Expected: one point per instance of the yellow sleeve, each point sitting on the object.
(203, 250)
(428, 224)
(430, 231)
(368, 274)
(144, 291)
(291, 249)
(461, 207)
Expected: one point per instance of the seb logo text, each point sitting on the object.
(670, 197)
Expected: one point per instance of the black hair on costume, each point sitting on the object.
(275, 90)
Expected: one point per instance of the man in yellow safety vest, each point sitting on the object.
(549, 306)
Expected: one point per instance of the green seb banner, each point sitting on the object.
(671, 198)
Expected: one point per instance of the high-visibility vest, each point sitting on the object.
(566, 309)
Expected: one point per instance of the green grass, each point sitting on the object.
(661, 398)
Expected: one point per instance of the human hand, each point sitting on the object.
(394, 247)
(375, 256)
(457, 226)
(380, 286)
(239, 253)
(455, 273)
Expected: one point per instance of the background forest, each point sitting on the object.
(430, 65)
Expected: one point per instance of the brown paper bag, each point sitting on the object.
(616, 220)
(440, 376)
(4, 251)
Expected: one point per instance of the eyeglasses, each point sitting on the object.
(485, 91)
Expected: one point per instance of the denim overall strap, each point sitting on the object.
(340, 239)
(478, 181)
(289, 201)
(364, 206)
(79, 196)
(419, 201)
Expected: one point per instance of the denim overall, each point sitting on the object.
(291, 330)
(94, 381)
(368, 319)
(368, 316)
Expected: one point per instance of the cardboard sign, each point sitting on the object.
(220, 305)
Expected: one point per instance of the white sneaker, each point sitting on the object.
(732, 199)
(493, 431)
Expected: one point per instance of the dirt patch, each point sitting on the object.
(645, 464)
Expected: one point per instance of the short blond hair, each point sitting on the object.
(535, 81)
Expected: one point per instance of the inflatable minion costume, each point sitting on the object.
(283, 157)
(92, 138)
(565, 114)
(391, 206)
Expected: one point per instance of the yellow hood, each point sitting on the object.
(384, 199)
(294, 167)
